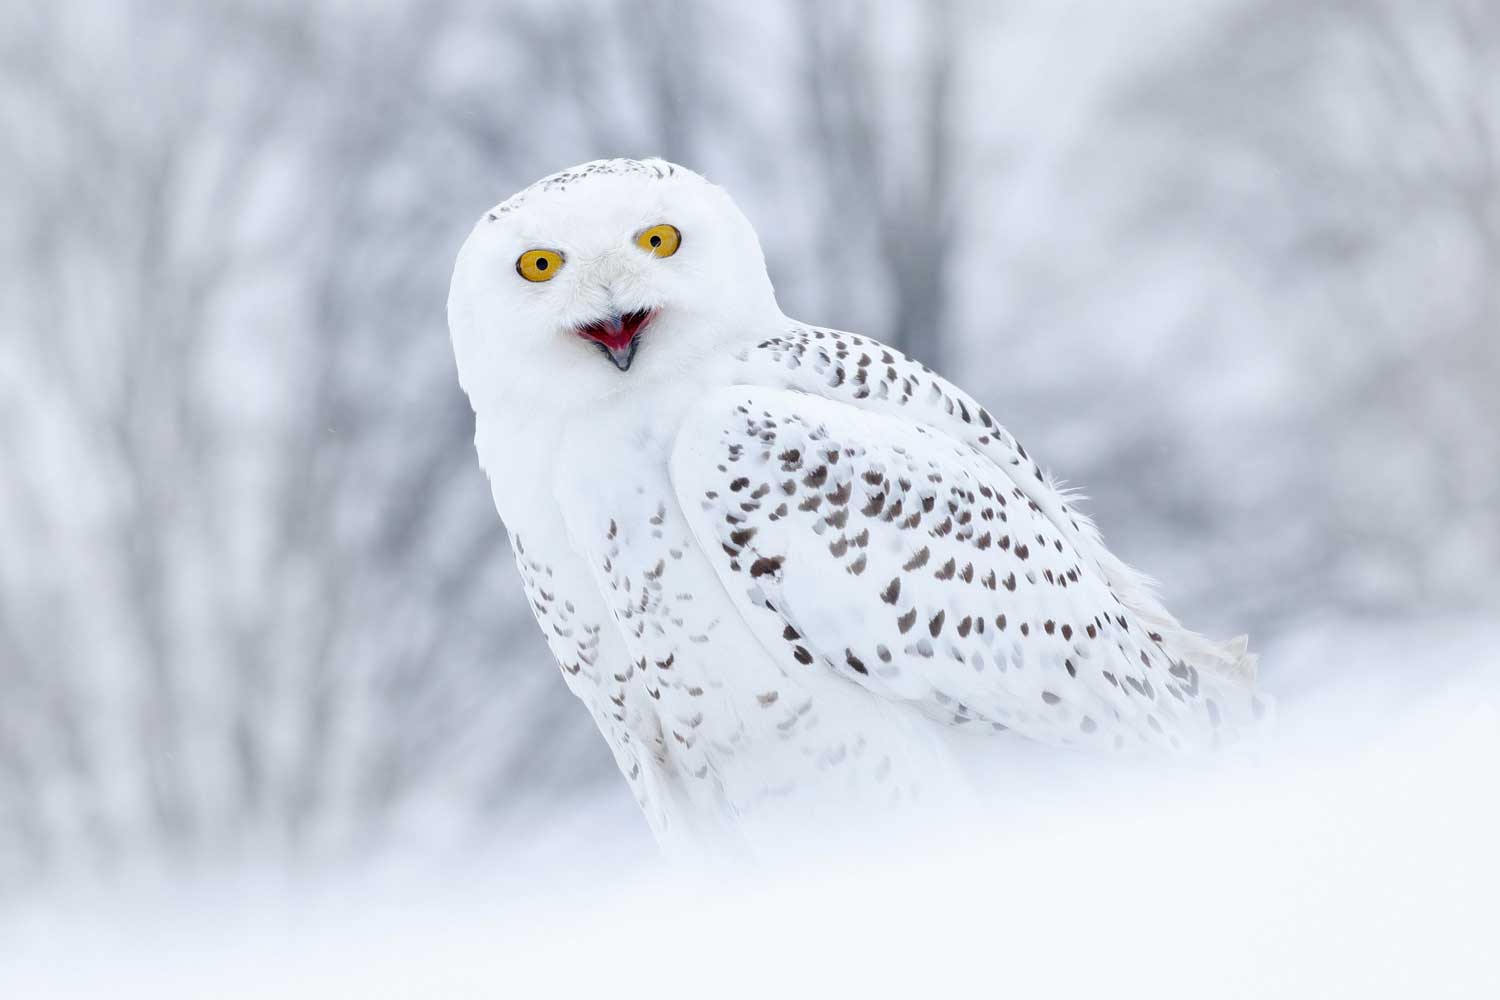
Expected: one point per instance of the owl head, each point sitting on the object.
(613, 276)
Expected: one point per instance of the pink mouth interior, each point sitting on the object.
(616, 333)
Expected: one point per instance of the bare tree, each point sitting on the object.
(242, 334)
(1343, 158)
(888, 177)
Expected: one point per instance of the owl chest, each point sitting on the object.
(623, 520)
(737, 726)
(728, 712)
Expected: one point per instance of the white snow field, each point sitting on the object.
(1359, 856)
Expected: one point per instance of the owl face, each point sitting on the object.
(606, 278)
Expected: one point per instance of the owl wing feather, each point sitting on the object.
(861, 536)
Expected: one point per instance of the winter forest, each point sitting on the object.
(1232, 268)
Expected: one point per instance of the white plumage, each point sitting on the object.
(790, 572)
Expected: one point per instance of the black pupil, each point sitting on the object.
(656, 241)
(541, 263)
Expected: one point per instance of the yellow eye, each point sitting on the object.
(659, 241)
(539, 265)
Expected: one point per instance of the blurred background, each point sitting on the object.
(1232, 267)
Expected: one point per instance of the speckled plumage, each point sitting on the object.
(790, 572)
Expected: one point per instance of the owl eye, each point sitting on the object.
(659, 241)
(539, 265)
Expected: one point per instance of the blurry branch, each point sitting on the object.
(1373, 129)
(243, 677)
(895, 183)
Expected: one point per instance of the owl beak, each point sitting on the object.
(619, 336)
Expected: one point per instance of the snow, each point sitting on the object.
(1355, 856)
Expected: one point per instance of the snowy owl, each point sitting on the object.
(789, 571)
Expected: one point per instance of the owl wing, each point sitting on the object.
(913, 564)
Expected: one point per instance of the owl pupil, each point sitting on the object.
(656, 241)
(541, 264)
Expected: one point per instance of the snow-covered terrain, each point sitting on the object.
(1354, 857)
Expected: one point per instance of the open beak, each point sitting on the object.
(619, 336)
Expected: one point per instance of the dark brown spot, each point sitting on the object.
(765, 564)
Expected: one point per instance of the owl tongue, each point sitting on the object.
(618, 336)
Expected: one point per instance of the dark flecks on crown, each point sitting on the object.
(599, 168)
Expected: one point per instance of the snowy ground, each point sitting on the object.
(1358, 857)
